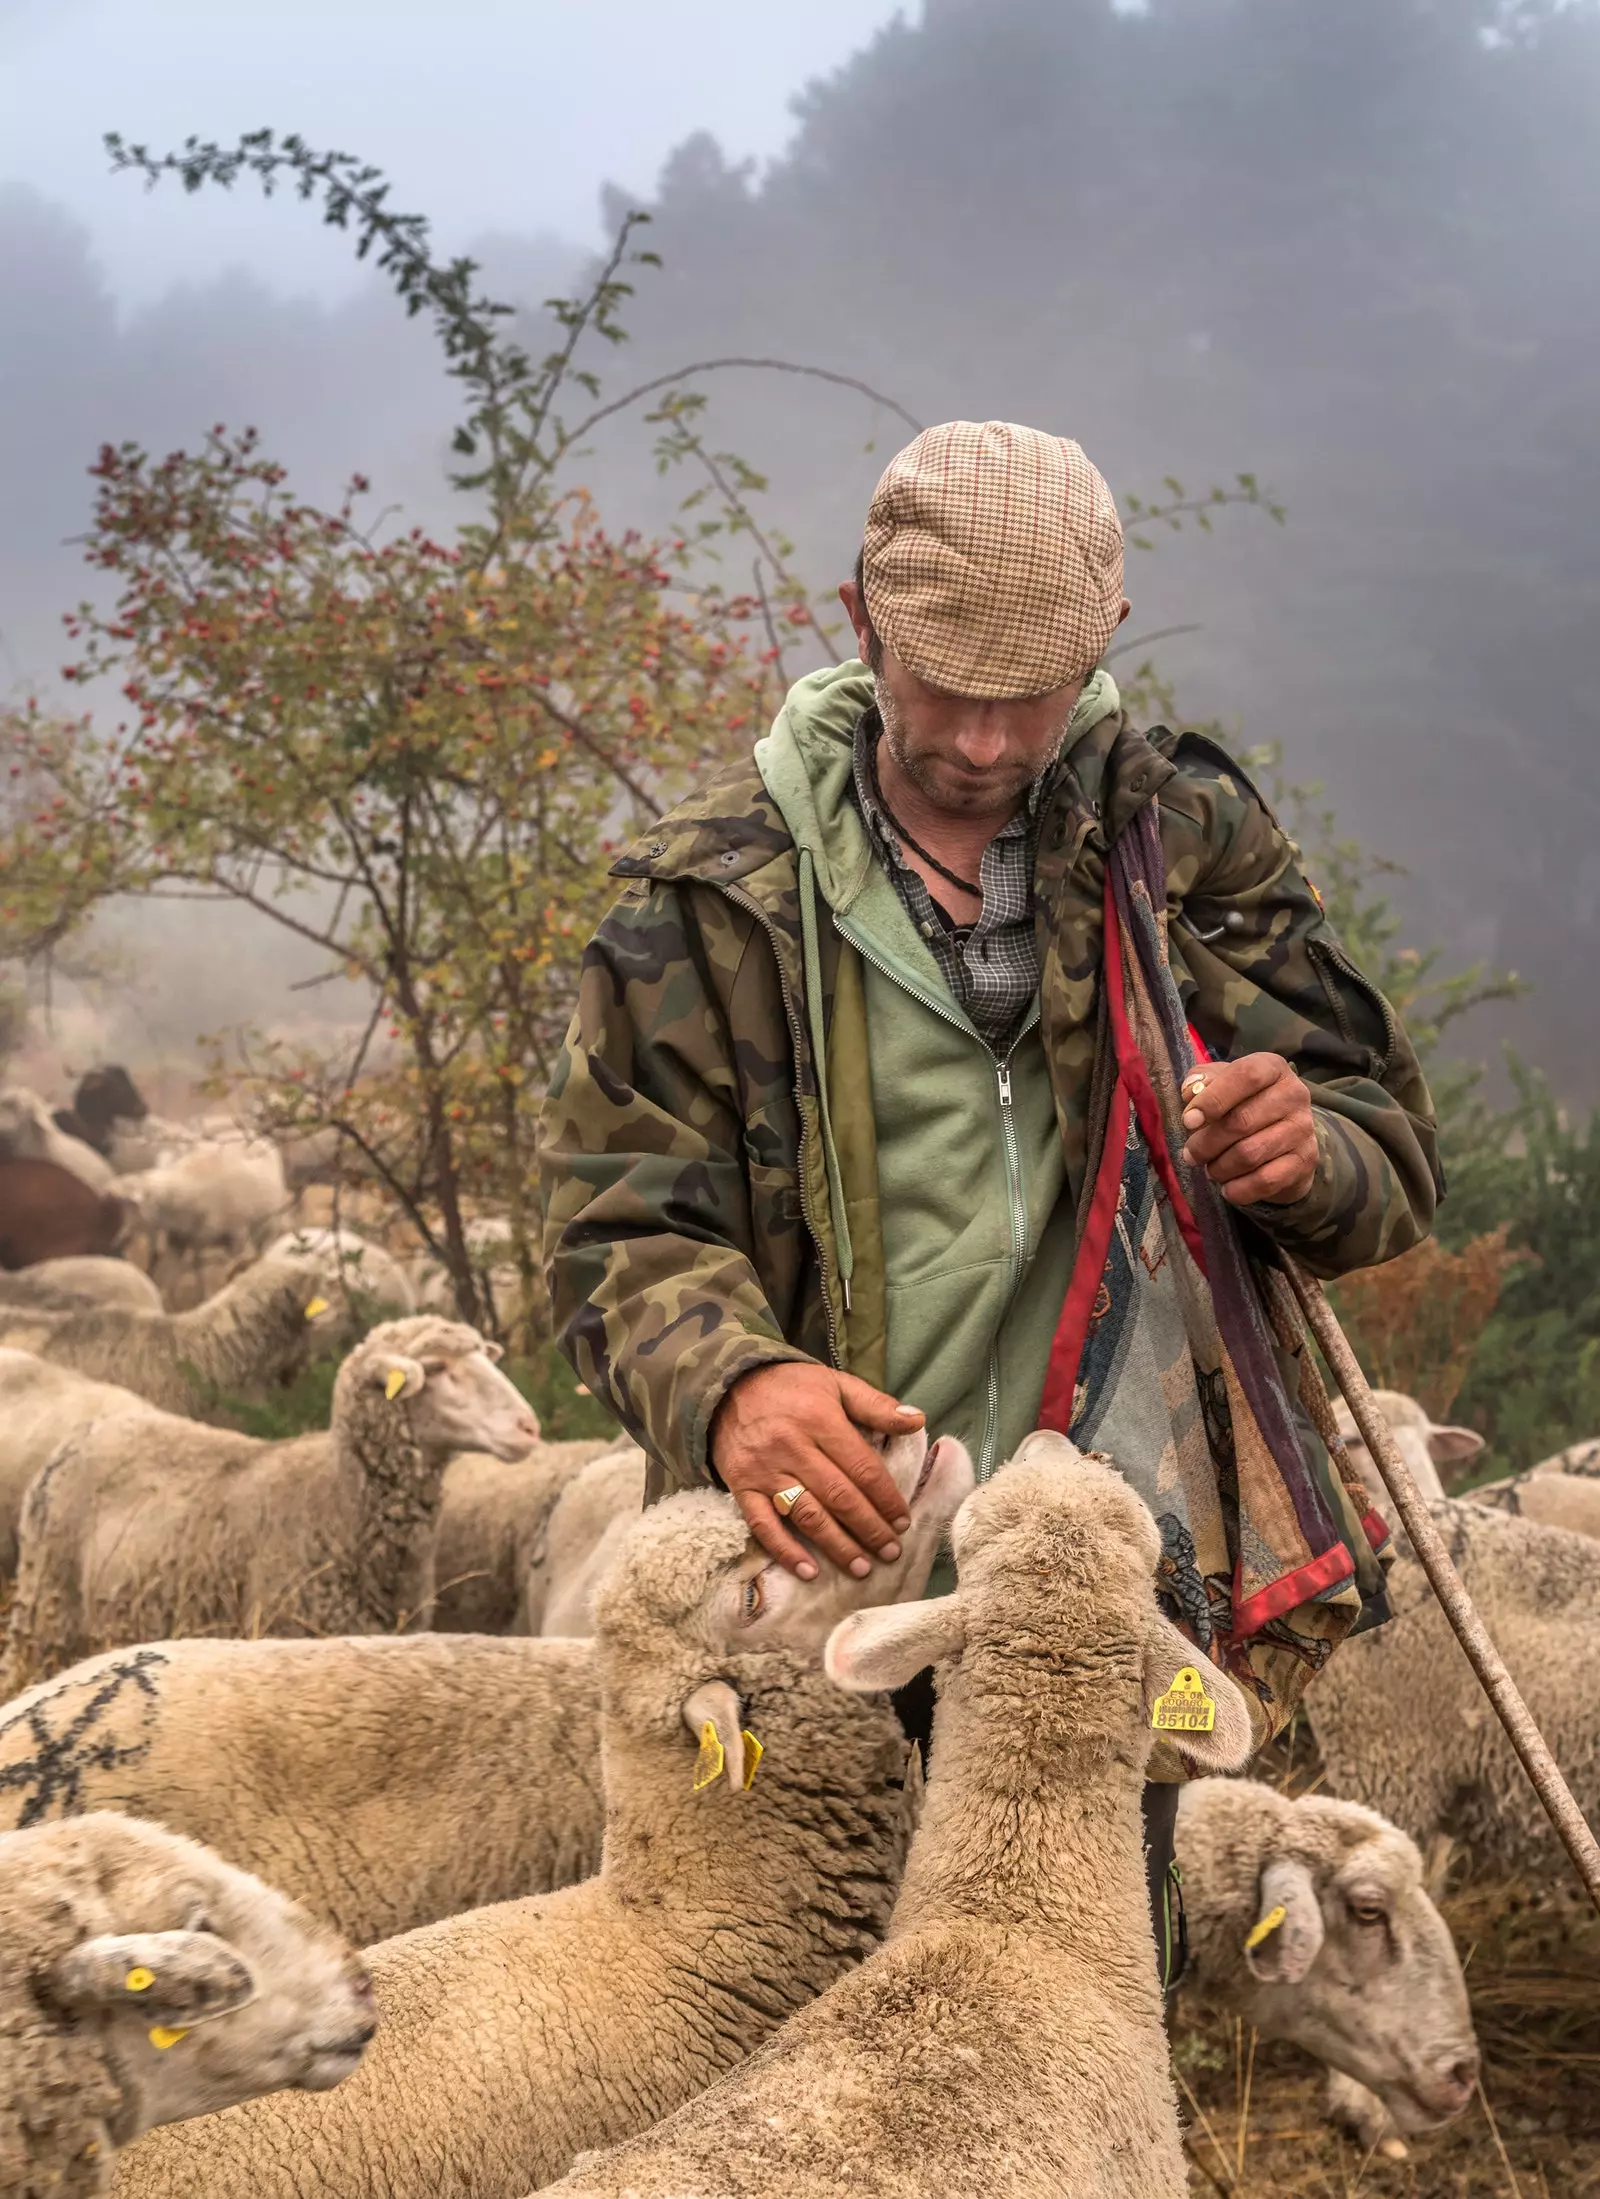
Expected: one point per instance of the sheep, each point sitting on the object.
(106, 1099)
(1404, 1726)
(337, 1770)
(327, 1533)
(1008, 2036)
(515, 2037)
(142, 1979)
(49, 1213)
(255, 1333)
(1359, 1967)
(92, 1279)
(588, 1525)
(39, 1405)
(218, 1196)
(365, 1269)
(1422, 1443)
(29, 1132)
(492, 1524)
(1562, 1491)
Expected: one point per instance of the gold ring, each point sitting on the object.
(786, 1499)
(1194, 1084)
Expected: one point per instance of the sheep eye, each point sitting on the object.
(754, 1597)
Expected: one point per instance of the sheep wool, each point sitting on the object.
(120, 1943)
(515, 2037)
(1308, 1919)
(252, 1334)
(329, 1533)
(333, 1769)
(492, 1527)
(1008, 2038)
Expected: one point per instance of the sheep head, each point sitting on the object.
(178, 1984)
(1057, 1559)
(443, 1376)
(1332, 1943)
(693, 1607)
(1424, 1444)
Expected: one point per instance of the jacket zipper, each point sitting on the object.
(1331, 951)
(1018, 1211)
(1019, 1254)
(796, 1040)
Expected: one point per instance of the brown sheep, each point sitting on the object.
(48, 1213)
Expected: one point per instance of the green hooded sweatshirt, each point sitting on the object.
(977, 1235)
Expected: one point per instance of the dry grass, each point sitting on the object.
(1416, 1321)
(1532, 1962)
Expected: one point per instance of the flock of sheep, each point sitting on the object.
(652, 1896)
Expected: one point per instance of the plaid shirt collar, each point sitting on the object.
(992, 965)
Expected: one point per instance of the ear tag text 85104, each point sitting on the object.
(708, 1764)
(1185, 1707)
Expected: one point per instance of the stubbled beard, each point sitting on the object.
(917, 771)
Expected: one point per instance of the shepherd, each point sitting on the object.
(965, 1055)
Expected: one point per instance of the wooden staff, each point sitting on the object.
(1529, 1743)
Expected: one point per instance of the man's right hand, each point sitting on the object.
(798, 1422)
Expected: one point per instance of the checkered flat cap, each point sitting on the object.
(993, 559)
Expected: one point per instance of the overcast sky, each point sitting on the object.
(488, 114)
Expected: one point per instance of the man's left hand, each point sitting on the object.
(1251, 1128)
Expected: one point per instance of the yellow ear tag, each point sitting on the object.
(1265, 1928)
(314, 1306)
(1185, 1707)
(162, 2038)
(708, 1764)
(753, 1753)
(395, 1384)
(139, 1980)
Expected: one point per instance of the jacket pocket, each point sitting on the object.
(1365, 1019)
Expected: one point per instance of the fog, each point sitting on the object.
(1349, 247)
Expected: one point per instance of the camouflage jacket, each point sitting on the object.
(687, 1233)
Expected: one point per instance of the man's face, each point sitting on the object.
(969, 757)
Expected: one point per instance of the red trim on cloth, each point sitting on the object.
(1335, 1565)
(1134, 1073)
(1376, 1529)
(1072, 1329)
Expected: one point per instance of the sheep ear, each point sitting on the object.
(188, 1975)
(887, 1646)
(1286, 1938)
(1229, 1742)
(400, 1376)
(712, 1714)
(1453, 1446)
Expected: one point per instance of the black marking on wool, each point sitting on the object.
(54, 1774)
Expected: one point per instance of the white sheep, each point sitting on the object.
(1008, 2036)
(1424, 1444)
(143, 1525)
(588, 1525)
(492, 1525)
(1561, 1491)
(80, 1279)
(1309, 1920)
(363, 1268)
(1404, 1726)
(254, 1334)
(211, 1197)
(28, 1131)
(41, 1404)
(733, 1889)
(383, 1780)
(142, 1979)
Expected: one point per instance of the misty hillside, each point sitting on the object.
(1350, 247)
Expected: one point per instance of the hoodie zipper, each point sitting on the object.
(797, 1041)
(1014, 1199)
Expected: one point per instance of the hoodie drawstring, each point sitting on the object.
(811, 957)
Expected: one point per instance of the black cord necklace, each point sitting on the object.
(916, 847)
